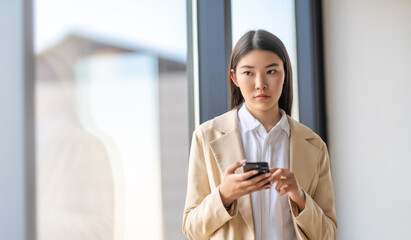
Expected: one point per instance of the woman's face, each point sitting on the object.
(260, 77)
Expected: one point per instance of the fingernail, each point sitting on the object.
(267, 174)
(243, 161)
(255, 171)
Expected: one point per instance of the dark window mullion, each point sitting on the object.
(214, 47)
(311, 66)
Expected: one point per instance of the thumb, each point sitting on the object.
(231, 169)
(273, 170)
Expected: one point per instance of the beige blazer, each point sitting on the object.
(216, 145)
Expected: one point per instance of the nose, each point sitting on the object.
(260, 82)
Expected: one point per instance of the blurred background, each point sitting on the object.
(98, 100)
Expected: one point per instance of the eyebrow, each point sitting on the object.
(270, 65)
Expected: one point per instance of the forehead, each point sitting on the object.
(259, 58)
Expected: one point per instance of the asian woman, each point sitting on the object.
(295, 199)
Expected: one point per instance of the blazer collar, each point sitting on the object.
(228, 149)
(225, 122)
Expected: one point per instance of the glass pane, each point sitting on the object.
(275, 16)
(111, 119)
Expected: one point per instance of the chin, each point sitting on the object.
(264, 107)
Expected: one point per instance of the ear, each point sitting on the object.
(234, 77)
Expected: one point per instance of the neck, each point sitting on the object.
(268, 118)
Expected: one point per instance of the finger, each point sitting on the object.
(256, 186)
(289, 176)
(281, 172)
(283, 191)
(279, 179)
(259, 178)
(231, 169)
(268, 186)
(265, 186)
(265, 182)
(273, 170)
(247, 175)
(282, 183)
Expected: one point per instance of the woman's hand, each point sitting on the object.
(287, 183)
(235, 185)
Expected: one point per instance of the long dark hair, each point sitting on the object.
(262, 40)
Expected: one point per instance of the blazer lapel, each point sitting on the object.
(303, 154)
(227, 149)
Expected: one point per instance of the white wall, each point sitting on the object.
(368, 85)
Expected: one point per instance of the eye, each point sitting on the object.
(247, 73)
(272, 71)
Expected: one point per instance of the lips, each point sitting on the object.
(262, 96)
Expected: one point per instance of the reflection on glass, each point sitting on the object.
(276, 16)
(111, 120)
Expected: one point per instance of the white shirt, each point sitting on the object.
(271, 213)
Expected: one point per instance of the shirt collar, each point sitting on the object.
(248, 122)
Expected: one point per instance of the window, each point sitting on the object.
(111, 119)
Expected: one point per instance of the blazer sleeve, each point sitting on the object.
(318, 219)
(204, 212)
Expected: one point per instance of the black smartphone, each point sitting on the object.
(262, 167)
